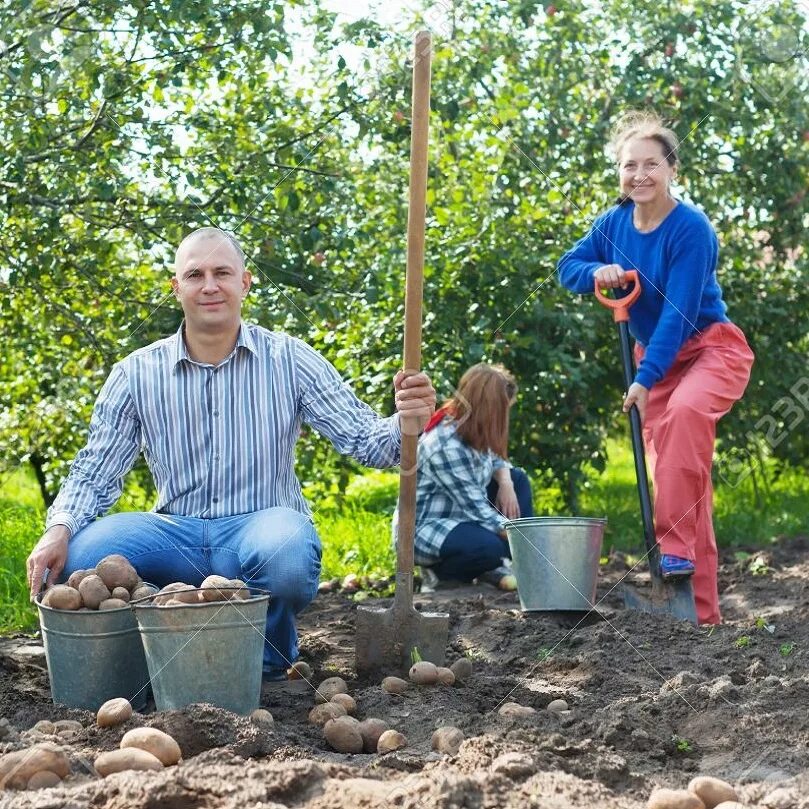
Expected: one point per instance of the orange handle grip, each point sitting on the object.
(620, 306)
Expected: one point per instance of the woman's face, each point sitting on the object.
(644, 173)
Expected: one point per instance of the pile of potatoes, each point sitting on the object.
(140, 749)
(113, 583)
(213, 588)
(335, 707)
(110, 585)
(703, 792)
(426, 673)
(37, 767)
(345, 734)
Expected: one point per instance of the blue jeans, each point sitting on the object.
(470, 549)
(276, 549)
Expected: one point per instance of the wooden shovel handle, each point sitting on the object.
(414, 289)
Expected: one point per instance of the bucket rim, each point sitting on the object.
(38, 601)
(525, 522)
(257, 594)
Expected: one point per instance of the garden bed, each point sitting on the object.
(652, 702)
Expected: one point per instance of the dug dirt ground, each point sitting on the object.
(652, 702)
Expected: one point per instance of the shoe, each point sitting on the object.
(274, 681)
(501, 577)
(675, 567)
(429, 580)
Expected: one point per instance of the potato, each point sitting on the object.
(132, 758)
(712, 791)
(329, 687)
(45, 726)
(43, 779)
(153, 741)
(394, 685)
(77, 576)
(170, 591)
(187, 595)
(515, 709)
(217, 588)
(93, 591)
(262, 718)
(445, 676)
(370, 730)
(67, 726)
(122, 593)
(389, 741)
(17, 768)
(557, 706)
(347, 701)
(112, 604)
(462, 669)
(673, 799)
(114, 712)
(343, 734)
(447, 740)
(143, 591)
(241, 592)
(300, 671)
(325, 712)
(424, 673)
(117, 571)
(62, 597)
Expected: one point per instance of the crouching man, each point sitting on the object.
(216, 409)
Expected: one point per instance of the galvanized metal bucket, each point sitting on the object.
(93, 656)
(208, 652)
(555, 561)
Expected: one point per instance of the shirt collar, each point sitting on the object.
(244, 340)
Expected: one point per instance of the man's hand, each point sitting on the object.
(50, 554)
(610, 276)
(637, 395)
(415, 399)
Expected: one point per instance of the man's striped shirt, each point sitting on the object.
(219, 440)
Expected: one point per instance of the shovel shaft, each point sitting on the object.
(413, 299)
(639, 454)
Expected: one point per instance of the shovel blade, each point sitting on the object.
(385, 638)
(674, 597)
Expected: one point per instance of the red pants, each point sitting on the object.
(709, 374)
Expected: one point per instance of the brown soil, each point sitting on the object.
(653, 702)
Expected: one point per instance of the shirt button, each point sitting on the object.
(216, 499)
(215, 413)
(216, 457)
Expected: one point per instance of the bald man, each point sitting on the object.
(216, 410)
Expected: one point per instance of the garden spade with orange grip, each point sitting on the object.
(386, 639)
(675, 596)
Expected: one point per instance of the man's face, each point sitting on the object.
(210, 283)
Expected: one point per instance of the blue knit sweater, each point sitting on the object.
(677, 267)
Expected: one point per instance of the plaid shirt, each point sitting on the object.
(451, 489)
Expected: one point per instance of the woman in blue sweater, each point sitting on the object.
(692, 362)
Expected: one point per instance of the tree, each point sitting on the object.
(128, 124)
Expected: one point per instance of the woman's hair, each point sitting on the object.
(480, 407)
(637, 124)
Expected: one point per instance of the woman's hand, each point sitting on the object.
(506, 501)
(639, 396)
(610, 276)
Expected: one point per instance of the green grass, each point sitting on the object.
(739, 520)
(356, 537)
